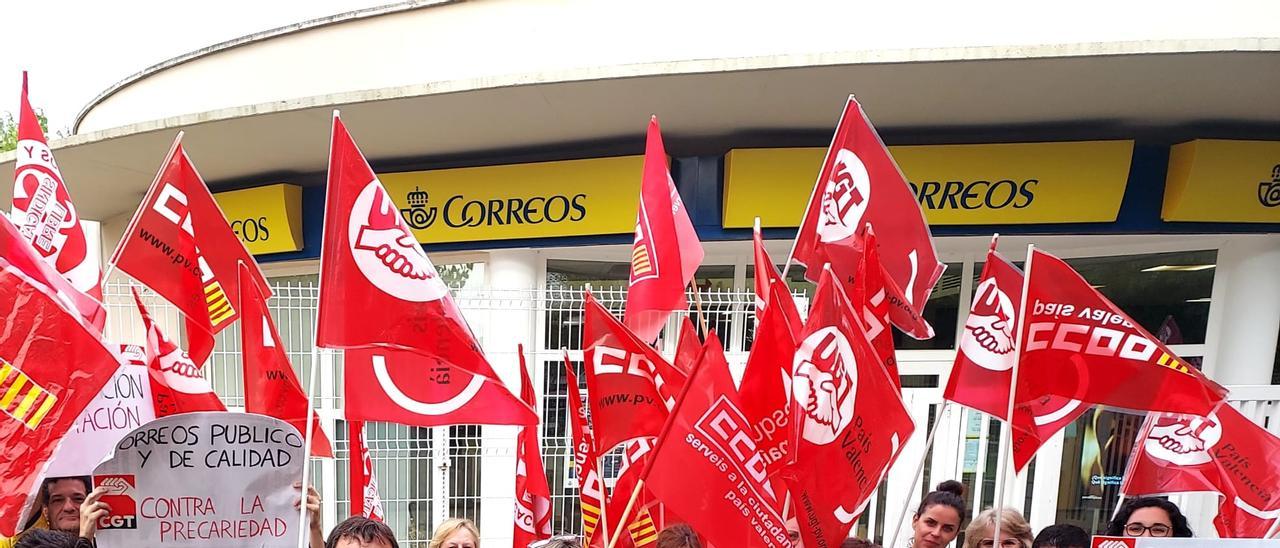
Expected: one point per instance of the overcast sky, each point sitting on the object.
(74, 50)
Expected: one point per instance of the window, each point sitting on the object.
(1166, 293)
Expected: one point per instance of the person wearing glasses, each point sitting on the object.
(1015, 532)
(1149, 517)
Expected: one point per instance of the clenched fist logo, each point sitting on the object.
(1183, 440)
(385, 251)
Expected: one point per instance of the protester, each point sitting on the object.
(1149, 517)
(456, 533)
(858, 543)
(793, 531)
(313, 513)
(1014, 530)
(63, 497)
(938, 518)
(1062, 535)
(362, 532)
(679, 535)
(46, 538)
(559, 541)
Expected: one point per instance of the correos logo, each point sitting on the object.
(458, 211)
(980, 194)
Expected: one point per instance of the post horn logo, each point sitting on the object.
(418, 215)
(1269, 191)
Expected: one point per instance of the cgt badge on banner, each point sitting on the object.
(1153, 542)
(203, 480)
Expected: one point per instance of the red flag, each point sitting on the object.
(1036, 421)
(1224, 453)
(871, 294)
(42, 207)
(377, 286)
(860, 183)
(709, 470)
(23, 257)
(591, 494)
(270, 386)
(850, 420)
(1078, 345)
(767, 276)
(404, 387)
(364, 499)
(533, 496)
(766, 398)
(687, 347)
(52, 365)
(176, 383)
(666, 252)
(983, 370)
(641, 531)
(180, 245)
(630, 387)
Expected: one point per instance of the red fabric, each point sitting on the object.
(270, 385)
(533, 496)
(176, 383)
(871, 294)
(666, 251)
(687, 347)
(709, 470)
(591, 495)
(983, 370)
(630, 387)
(1225, 453)
(860, 183)
(377, 286)
(850, 422)
(1036, 421)
(408, 388)
(640, 529)
(23, 257)
(767, 276)
(52, 365)
(42, 207)
(180, 245)
(1078, 345)
(364, 499)
(766, 399)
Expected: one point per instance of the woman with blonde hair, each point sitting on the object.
(1015, 532)
(456, 533)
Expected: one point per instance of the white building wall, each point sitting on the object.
(1244, 321)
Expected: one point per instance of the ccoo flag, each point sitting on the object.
(533, 495)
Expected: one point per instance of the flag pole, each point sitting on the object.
(915, 479)
(303, 529)
(697, 305)
(803, 218)
(1147, 424)
(1003, 472)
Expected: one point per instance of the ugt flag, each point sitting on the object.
(666, 252)
(533, 495)
(42, 207)
(364, 498)
(709, 470)
(52, 365)
(180, 245)
(176, 383)
(1076, 344)
(983, 371)
(850, 422)
(377, 286)
(860, 183)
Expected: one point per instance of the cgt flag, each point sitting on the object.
(42, 207)
(591, 496)
(860, 183)
(52, 365)
(1225, 453)
(533, 495)
(180, 245)
(850, 422)
(270, 386)
(666, 252)
(1077, 345)
(176, 383)
(378, 289)
(404, 387)
(709, 469)
(365, 500)
(630, 387)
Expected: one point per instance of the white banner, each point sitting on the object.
(1149, 542)
(124, 404)
(202, 480)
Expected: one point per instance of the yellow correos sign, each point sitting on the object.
(268, 219)
(1223, 181)
(1019, 183)
(538, 200)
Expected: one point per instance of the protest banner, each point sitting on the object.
(123, 404)
(205, 479)
(1153, 542)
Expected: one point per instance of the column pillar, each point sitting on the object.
(1246, 307)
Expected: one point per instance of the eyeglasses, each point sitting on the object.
(1157, 530)
(1004, 543)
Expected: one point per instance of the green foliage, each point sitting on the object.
(9, 130)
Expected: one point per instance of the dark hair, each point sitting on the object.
(1062, 535)
(679, 535)
(858, 543)
(48, 482)
(1179, 521)
(46, 538)
(948, 493)
(362, 529)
